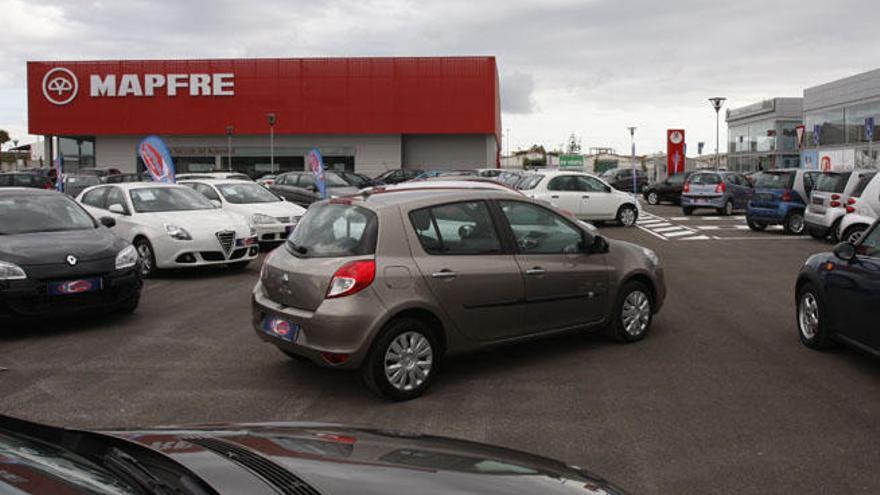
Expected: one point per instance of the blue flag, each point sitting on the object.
(59, 172)
(817, 135)
(157, 159)
(316, 164)
(869, 129)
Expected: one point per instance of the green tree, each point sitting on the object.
(4, 137)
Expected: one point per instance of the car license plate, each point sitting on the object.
(282, 329)
(702, 201)
(818, 201)
(80, 286)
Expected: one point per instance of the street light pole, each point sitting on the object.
(229, 147)
(632, 136)
(717, 101)
(270, 117)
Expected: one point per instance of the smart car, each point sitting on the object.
(780, 197)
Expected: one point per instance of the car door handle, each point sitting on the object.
(586, 196)
(536, 271)
(554, 197)
(444, 274)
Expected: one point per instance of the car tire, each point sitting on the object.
(794, 223)
(833, 233)
(238, 266)
(812, 326)
(687, 211)
(853, 233)
(815, 234)
(756, 226)
(653, 198)
(727, 209)
(409, 335)
(627, 215)
(633, 301)
(148, 258)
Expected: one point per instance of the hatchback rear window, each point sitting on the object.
(832, 182)
(334, 230)
(705, 179)
(863, 183)
(775, 180)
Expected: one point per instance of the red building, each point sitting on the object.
(363, 114)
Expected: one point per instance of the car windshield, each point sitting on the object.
(775, 180)
(246, 193)
(42, 213)
(333, 180)
(83, 180)
(334, 230)
(832, 182)
(609, 173)
(156, 199)
(705, 179)
(529, 182)
(870, 245)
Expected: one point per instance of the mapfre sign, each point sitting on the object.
(421, 95)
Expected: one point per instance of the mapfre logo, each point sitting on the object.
(60, 86)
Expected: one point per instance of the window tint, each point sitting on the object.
(21, 180)
(458, 228)
(539, 231)
(676, 180)
(154, 199)
(870, 245)
(115, 196)
(565, 183)
(832, 182)
(95, 198)
(530, 182)
(775, 180)
(208, 191)
(862, 184)
(705, 179)
(49, 213)
(591, 184)
(333, 230)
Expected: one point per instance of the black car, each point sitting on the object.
(622, 179)
(283, 458)
(668, 190)
(26, 179)
(301, 188)
(75, 184)
(396, 176)
(129, 177)
(838, 293)
(55, 259)
(356, 180)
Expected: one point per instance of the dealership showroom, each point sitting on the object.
(711, 332)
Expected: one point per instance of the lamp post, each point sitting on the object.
(717, 101)
(632, 136)
(270, 117)
(229, 130)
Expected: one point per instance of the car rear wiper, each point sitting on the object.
(119, 460)
(298, 249)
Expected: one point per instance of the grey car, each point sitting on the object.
(389, 283)
(301, 188)
(722, 191)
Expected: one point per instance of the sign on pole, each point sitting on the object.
(571, 161)
(675, 151)
(157, 159)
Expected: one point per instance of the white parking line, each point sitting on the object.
(670, 229)
(695, 238)
(709, 227)
(677, 234)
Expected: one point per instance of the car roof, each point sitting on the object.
(563, 172)
(26, 191)
(406, 198)
(218, 180)
(140, 185)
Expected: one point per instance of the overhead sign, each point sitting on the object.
(60, 86)
(675, 154)
(571, 161)
(157, 159)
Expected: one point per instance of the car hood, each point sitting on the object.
(49, 248)
(336, 459)
(275, 209)
(342, 191)
(198, 222)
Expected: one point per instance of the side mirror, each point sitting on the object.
(108, 222)
(598, 246)
(216, 203)
(845, 251)
(117, 209)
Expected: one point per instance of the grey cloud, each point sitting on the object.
(517, 93)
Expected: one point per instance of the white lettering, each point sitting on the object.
(129, 85)
(224, 84)
(176, 81)
(105, 87)
(153, 81)
(199, 84)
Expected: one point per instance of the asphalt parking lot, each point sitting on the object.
(719, 398)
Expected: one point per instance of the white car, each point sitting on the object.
(588, 197)
(862, 209)
(212, 175)
(446, 183)
(173, 226)
(827, 206)
(272, 216)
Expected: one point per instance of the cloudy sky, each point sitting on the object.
(591, 67)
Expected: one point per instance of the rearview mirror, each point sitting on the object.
(845, 251)
(117, 208)
(108, 222)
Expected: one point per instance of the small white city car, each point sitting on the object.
(586, 196)
(273, 216)
(173, 226)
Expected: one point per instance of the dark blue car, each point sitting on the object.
(780, 198)
(838, 295)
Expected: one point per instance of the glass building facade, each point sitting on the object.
(763, 136)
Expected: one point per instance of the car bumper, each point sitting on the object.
(821, 222)
(30, 298)
(342, 326)
(274, 232)
(183, 254)
(771, 214)
(702, 201)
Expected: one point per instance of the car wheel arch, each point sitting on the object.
(424, 315)
(644, 279)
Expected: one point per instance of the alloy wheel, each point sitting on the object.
(408, 361)
(854, 236)
(628, 217)
(808, 316)
(636, 313)
(146, 255)
(796, 224)
(652, 198)
(728, 208)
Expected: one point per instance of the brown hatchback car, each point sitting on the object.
(388, 283)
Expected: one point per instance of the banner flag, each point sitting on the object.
(316, 164)
(157, 159)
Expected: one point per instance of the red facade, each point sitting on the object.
(454, 95)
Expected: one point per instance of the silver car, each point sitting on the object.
(389, 283)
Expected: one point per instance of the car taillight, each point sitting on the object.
(836, 204)
(351, 278)
(835, 197)
(720, 188)
(687, 187)
(851, 201)
(786, 196)
(850, 209)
